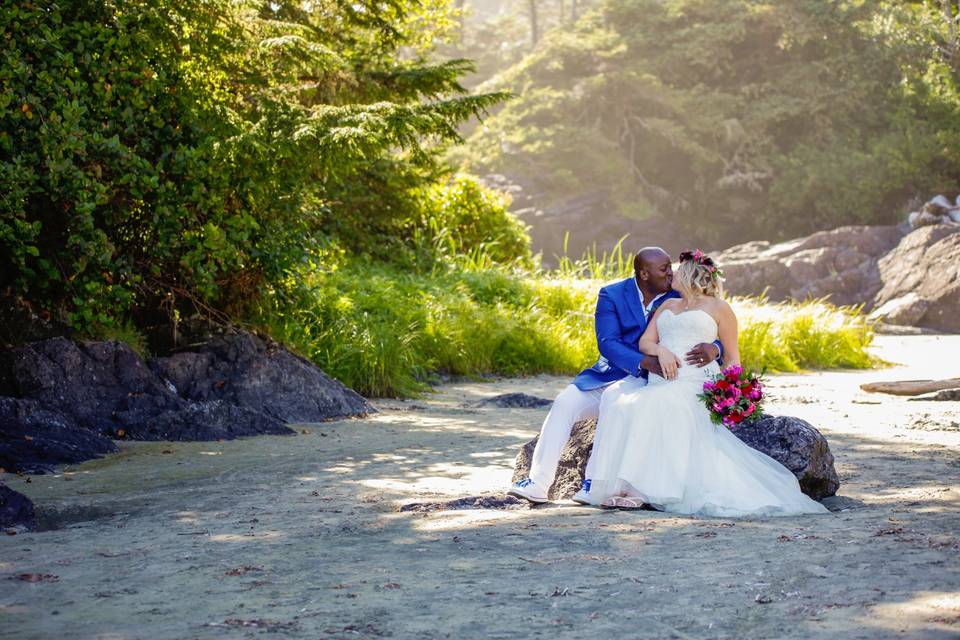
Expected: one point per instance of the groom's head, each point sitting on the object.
(652, 267)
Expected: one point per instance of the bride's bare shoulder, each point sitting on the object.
(720, 308)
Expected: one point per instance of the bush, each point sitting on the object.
(159, 157)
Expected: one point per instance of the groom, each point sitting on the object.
(623, 310)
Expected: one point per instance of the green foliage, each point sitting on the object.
(736, 118)
(158, 156)
(463, 218)
(387, 332)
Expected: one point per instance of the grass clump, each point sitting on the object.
(792, 336)
(387, 332)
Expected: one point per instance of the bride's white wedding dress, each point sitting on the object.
(657, 442)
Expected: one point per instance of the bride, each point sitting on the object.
(656, 443)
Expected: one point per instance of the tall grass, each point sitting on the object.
(807, 335)
(388, 332)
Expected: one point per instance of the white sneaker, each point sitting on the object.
(528, 490)
(582, 496)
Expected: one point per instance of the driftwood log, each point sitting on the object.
(911, 387)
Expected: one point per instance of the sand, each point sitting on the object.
(300, 536)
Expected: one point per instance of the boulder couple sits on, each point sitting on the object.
(655, 443)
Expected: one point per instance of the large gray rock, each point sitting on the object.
(16, 510)
(792, 442)
(35, 440)
(924, 271)
(244, 370)
(908, 280)
(841, 264)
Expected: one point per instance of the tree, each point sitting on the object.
(534, 26)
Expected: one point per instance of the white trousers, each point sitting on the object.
(570, 407)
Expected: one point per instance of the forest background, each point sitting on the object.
(299, 167)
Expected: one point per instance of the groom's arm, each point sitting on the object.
(704, 353)
(610, 340)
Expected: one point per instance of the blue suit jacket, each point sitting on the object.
(619, 323)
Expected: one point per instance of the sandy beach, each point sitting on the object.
(301, 536)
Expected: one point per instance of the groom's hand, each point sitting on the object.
(652, 364)
(703, 354)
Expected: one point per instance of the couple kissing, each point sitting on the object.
(661, 336)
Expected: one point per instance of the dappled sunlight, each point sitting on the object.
(926, 609)
(466, 519)
(445, 479)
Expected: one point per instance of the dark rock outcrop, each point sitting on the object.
(35, 440)
(16, 510)
(947, 395)
(89, 382)
(61, 401)
(515, 401)
(792, 442)
(214, 420)
(106, 388)
(243, 370)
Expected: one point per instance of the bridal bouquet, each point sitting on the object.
(733, 396)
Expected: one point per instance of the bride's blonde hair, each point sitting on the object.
(697, 275)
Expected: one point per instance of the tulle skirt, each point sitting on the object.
(657, 442)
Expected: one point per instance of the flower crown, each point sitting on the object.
(699, 257)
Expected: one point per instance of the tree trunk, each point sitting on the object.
(573, 10)
(951, 14)
(534, 27)
(462, 19)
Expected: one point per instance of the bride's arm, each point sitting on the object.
(727, 330)
(650, 345)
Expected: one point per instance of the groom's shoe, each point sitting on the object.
(528, 490)
(582, 496)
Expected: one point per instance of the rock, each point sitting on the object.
(247, 371)
(89, 382)
(215, 420)
(925, 263)
(841, 264)
(798, 446)
(35, 440)
(573, 461)
(911, 279)
(906, 310)
(941, 201)
(105, 388)
(514, 401)
(947, 395)
(16, 510)
(792, 442)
